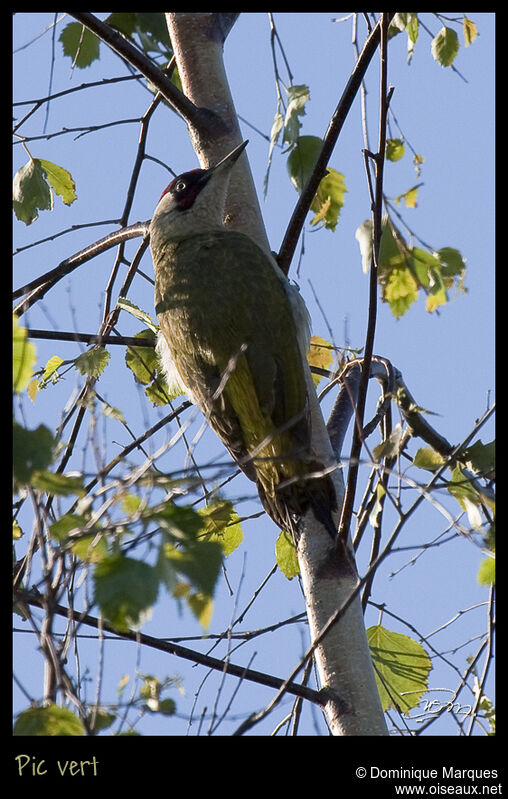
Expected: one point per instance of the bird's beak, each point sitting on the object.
(227, 162)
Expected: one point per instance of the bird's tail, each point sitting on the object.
(287, 500)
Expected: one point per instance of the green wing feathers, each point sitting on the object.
(228, 323)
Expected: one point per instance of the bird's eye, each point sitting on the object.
(180, 186)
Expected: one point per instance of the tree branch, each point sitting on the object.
(37, 288)
(90, 338)
(200, 118)
(170, 648)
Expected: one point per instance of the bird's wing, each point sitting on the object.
(231, 312)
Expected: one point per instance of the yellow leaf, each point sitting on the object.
(320, 354)
(202, 606)
(470, 31)
(32, 389)
(23, 356)
(436, 299)
(410, 198)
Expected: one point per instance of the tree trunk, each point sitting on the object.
(329, 575)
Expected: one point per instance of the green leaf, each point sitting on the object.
(60, 181)
(61, 529)
(400, 291)
(394, 149)
(393, 249)
(428, 458)
(153, 31)
(329, 199)
(158, 393)
(409, 196)
(402, 668)
(146, 367)
(199, 562)
(445, 46)
(50, 720)
(130, 504)
(60, 484)
(167, 707)
(91, 548)
(79, 44)
(222, 524)
(437, 295)
(297, 98)
(181, 522)
(302, 160)
(423, 263)
(92, 362)
(487, 572)
(50, 374)
(202, 607)
(412, 28)
(404, 269)
(132, 308)
(23, 357)
(390, 447)
(285, 553)
(452, 262)
(166, 572)
(404, 21)
(32, 450)
(142, 361)
(99, 719)
(123, 22)
(408, 22)
(30, 192)
(49, 370)
(125, 590)
(467, 496)
(479, 457)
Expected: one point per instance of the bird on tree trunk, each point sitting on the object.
(234, 334)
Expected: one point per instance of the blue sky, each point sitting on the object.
(447, 360)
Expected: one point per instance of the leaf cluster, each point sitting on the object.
(445, 44)
(303, 153)
(405, 269)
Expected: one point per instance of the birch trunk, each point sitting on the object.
(343, 657)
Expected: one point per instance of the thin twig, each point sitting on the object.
(297, 220)
(36, 289)
(90, 338)
(347, 508)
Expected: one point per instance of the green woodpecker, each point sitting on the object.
(234, 335)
